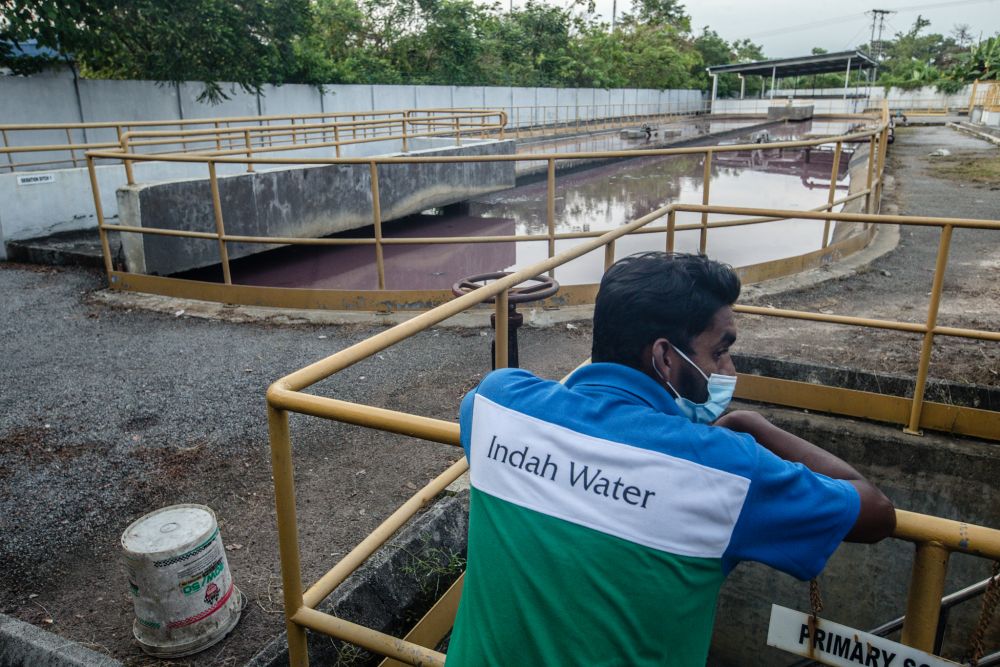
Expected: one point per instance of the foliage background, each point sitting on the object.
(457, 42)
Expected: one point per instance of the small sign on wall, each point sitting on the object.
(834, 644)
(35, 179)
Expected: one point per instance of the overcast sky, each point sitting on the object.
(793, 27)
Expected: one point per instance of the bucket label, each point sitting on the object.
(190, 620)
(202, 579)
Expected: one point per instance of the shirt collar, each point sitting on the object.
(624, 380)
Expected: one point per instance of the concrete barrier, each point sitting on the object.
(24, 645)
(311, 201)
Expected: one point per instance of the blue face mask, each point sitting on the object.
(720, 393)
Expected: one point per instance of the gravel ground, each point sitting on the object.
(897, 285)
(108, 413)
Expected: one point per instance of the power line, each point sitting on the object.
(937, 5)
(857, 15)
(811, 24)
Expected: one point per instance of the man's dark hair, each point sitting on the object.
(654, 295)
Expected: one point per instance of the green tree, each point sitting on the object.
(249, 43)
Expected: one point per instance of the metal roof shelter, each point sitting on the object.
(842, 61)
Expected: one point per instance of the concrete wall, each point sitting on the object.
(760, 107)
(310, 201)
(66, 204)
(864, 586)
(991, 118)
(927, 96)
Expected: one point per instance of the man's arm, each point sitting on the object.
(877, 518)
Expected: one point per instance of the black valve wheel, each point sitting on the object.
(533, 289)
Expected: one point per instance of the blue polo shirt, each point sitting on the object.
(603, 522)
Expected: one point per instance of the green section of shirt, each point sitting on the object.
(543, 591)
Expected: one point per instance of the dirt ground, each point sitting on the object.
(107, 413)
(897, 286)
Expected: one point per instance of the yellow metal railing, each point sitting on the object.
(985, 94)
(255, 140)
(523, 121)
(871, 193)
(914, 413)
(553, 120)
(935, 538)
(77, 144)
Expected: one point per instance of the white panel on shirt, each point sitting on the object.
(649, 498)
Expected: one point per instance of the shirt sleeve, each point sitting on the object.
(793, 519)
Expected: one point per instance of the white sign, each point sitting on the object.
(36, 179)
(840, 645)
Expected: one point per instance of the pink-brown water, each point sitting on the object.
(595, 199)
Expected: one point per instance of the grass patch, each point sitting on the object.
(971, 169)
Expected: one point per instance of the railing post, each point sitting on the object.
(123, 139)
(705, 188)
(6, 144)
(218, 141)
(405, 120)
(609, 255)
(377, 221)
(550, 211)
(72, 152)
(671, 229)
(923, 606)
(500, 357)
(883, 146)
(872, 147)
(517, 123)
(834, 172)
(99, 211)
(913, 428)
(291, 121)
(246, 139)
(336, 138)
(220, 229)
(458, 132)
(288, 533)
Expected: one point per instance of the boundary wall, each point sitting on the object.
(832, 100)
(62, 204)
(51, 99)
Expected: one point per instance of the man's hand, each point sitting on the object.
(877, 518)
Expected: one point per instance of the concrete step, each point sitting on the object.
(79, 248)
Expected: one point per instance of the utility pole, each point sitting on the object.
(875, 44)
(614, 13)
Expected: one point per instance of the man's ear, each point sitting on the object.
(660, 357)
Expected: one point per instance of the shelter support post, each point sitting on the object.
(847, 77)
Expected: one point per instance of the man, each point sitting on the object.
(607, 512)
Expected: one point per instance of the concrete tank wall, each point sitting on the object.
(310, 201)
(760, 107)
(864, 586)
(65, 204)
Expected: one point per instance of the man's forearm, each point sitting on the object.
(876, 515)
(788, 446)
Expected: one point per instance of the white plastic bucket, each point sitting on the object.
(184, 595)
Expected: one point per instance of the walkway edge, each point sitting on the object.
(25, 645)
